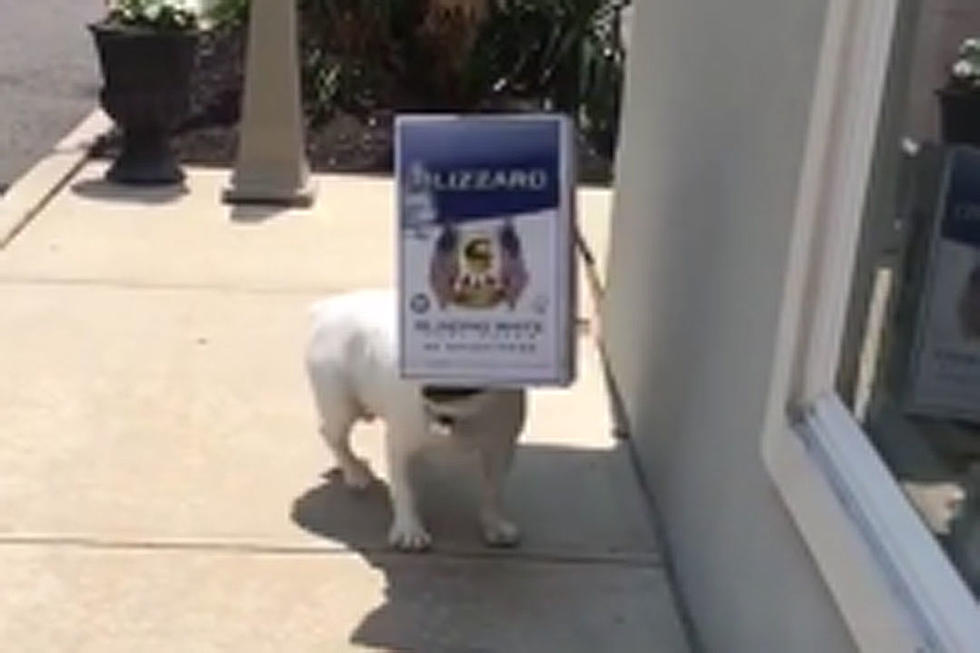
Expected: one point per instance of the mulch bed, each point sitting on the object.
(346, 143)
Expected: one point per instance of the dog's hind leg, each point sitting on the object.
(335, 428)
(497, 529)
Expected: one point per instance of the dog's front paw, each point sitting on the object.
(409, 536)
(500, 532)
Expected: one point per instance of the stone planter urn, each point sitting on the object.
(146, 91)
(960, 116)
(959, 99)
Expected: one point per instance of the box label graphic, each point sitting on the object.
(945, 380)
(485, 216)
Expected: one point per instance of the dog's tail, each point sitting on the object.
(360, 301)
(318, 307)
(321, 309)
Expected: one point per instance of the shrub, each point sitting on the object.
(359, 56)
(568, 53)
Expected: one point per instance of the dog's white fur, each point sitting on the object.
(352, 361)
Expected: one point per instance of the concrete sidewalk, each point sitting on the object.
(163, 486)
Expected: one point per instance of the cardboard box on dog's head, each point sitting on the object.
(486, 211)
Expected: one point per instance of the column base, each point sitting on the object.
(301, 197)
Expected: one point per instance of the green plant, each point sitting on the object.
(568, 53)
(356, 54)
(601, 78)
(965, 71)
(223, 13)
(175, 15)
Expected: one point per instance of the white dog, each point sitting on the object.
(353, 365)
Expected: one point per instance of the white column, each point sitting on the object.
(271, 166)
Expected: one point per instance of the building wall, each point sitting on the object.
(716, 115)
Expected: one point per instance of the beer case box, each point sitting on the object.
(944, 379)
(486, 211)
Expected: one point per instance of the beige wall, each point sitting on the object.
(718, 95)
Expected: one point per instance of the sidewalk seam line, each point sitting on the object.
(82, 542)
(149, 285)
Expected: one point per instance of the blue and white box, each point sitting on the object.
(945, 363)
(486, 210)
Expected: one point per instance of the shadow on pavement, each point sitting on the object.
(255, 213)
(102, 190)
(549, 594)
(357, 518)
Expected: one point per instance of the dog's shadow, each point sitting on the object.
(570, 502)
(334, 511)
(412, 617)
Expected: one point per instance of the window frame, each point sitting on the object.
(894, 586)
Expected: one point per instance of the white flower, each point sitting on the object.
(963, 70)
(970, 47)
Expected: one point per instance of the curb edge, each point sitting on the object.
(31, 192)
